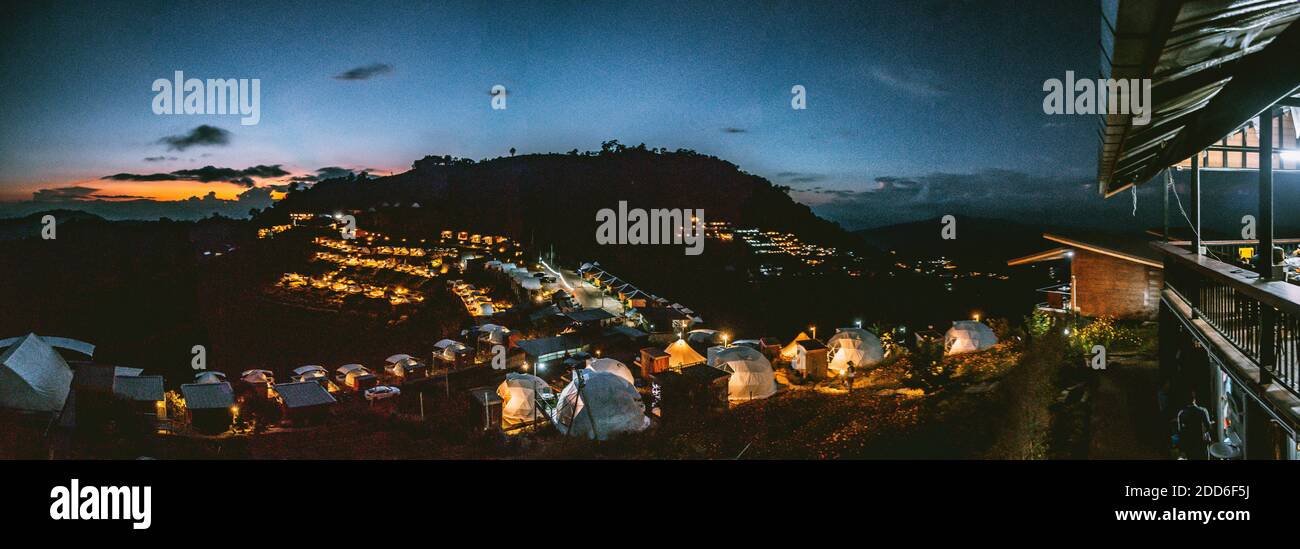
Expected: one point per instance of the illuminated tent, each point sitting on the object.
(788, 352)
(451, 350)
(209, 376)
(855, 345)
(310, 372)
(612, 366)
(680, 354)
(609, 405)
(519, 395)
(494, 334)
(751, 373)
(968, 336)
(33, 376)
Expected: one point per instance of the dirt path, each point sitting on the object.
(1126, 420)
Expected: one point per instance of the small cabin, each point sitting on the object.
(1100, 275)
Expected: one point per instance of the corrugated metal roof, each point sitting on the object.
(203, 396)
(140, 388)
(303, 393)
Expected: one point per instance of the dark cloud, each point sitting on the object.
(159, 158)
(365, 72)
(730, 129)
(1047, 200)
(207, 174)
(117, 207)
(64, 194)
(800, 177)
(204, 135)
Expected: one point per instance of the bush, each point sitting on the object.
(1102, 331)
(927, 366)
(1040, 323)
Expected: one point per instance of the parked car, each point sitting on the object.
(380, 392)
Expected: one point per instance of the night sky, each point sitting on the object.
(915, 109)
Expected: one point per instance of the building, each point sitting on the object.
(210, 405)
(1228, 333)
(545, 352)
(1104, 275)
(145, 394)
(304, 402)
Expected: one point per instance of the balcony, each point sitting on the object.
(1251, 323)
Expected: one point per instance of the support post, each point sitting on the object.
(1196, 203)
(1166, 209)
(1268, 315)
(1265, 222)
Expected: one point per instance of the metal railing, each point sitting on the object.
(1261, 319)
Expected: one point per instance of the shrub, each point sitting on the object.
(1102, 331)
(1039, 323)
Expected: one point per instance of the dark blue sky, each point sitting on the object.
(897, 91)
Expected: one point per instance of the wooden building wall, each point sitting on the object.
(1109, 286)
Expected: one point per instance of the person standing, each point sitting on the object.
(1194, 427)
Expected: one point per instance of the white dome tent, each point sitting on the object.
(968, 336)
(608, 404)
(751, 373)
(855, 345)
(612, 366)
(519, 399)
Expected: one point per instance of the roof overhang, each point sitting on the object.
(1073, 243)
(1046, 255)
(1213, 66)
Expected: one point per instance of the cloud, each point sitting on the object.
(365, 72)
(734, 130)
(800, 177)
(918, 83)
(207, 174)
(204, 135)
(64, 194)
(116, 207)
(159, 158)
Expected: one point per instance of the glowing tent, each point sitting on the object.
(788, 352)
(608, 405)
(751, 373)
(451, 350)
(519, 395)
(612, 366)
(854, 345)
(680, 354)
(968, 336)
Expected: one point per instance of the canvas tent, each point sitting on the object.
(451, 350)
(751, 374)
(788, 352)
(968, 336)
(856, 346)
(680, 355)
(33, 376)
(519, 399)
(608, 405)
(612, 366)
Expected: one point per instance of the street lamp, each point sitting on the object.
(814, 331)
